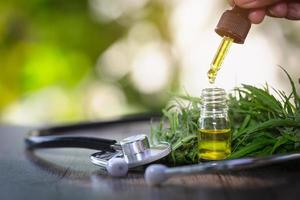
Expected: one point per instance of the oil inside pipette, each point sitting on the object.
(218, 59)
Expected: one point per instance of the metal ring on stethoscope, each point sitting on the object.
(137, 151)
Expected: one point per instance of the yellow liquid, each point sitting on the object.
(214, 144)
(218, 59)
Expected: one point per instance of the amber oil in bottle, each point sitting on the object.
(214, 134)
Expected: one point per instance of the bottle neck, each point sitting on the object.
(214, 102)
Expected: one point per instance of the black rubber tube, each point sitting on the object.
(55, 137)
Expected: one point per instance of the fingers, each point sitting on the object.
(255, 3)
(257, 16)
(278, 10)
(290, 10)
(273, 8)
(293, 11)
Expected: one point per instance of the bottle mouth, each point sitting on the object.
(214, 96)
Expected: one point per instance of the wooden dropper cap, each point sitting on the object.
(234, 24)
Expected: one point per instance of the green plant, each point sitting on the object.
(261, 123)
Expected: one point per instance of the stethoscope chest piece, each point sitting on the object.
(134, 150)
(115, 157)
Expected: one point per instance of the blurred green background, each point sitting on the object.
(67, 61)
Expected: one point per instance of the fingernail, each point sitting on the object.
(250, 3)
(245, 2)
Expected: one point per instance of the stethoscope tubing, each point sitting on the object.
(61, 136)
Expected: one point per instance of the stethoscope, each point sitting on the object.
(118, 157)
(115, 157)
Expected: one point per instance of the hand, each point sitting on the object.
(274, 8)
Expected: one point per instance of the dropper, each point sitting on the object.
(233, 26)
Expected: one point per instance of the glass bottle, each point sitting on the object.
(214, 135)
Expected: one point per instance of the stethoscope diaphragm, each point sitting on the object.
(135, 150)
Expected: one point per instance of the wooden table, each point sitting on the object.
(68, 174)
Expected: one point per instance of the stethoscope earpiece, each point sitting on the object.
(117, 167)
(155, 174)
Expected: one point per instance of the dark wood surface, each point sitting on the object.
(68, 174)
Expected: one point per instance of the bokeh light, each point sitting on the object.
(97, 59)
